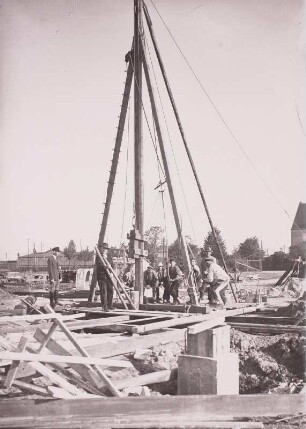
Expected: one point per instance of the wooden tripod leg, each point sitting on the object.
(113, 171)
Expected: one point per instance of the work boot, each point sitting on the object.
(52, 303)
(56, 293)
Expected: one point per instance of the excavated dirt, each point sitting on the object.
(270, 364)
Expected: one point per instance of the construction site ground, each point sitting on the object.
(269, 363)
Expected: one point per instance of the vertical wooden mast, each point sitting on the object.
(138, 157)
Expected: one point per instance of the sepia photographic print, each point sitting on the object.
(152, 214)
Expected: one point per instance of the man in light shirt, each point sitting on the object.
(217, 278)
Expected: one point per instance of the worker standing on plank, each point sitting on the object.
(196, 274)
(104, 281)
(151, 280)
(175, 279)
(55, 275)
(163, 281)
(205, 253)
(218, 280)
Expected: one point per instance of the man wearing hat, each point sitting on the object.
(150, 279)
(103, 279)
(175, 279)
(128, 276)
(217, 278)
(163, 281)
(54, 271)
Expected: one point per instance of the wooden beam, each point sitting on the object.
(32, 357)
(257, 327)
(84, 353)
(131, 344)
(15, 364)
(35, 317)
(95, 323)
(146, 412)
(146, 379)
(27, 386)
(207, 324)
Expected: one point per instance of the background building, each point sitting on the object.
(37, 261)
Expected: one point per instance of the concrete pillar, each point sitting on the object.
(206, 376)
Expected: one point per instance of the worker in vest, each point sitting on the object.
(218, 280)
(162, 278)
(104, 279)
(55, 275)
(175, 279)
(150, 280)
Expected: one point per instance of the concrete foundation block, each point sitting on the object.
(206, 376)
(213, 343)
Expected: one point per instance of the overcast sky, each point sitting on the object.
(62, 78)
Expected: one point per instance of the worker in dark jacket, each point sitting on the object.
(104, 279)
(175, 279)
(163, 281)
(55, 275)
(150, 279)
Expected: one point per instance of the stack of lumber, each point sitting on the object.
(78, 365)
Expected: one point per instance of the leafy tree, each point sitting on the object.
(70, 251)
(250, 248)
(210, 242)
(85, 255)
(278, 261)
(298, 250)
(175, 251)
(154, 237)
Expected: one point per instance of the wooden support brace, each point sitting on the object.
(15, 364)
(83, 352)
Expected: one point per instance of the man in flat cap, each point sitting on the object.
(54, 271)
(217, 278)
(150, 280)
(103, 278)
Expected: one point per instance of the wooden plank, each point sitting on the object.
(84, 353)
(217, 316)
(257, 327)
(207, 324)
(15, 364)
(131, 313)
(182, 321)
(55, 378)
(258, 318)
(146, 379)
(146, 411)
(85, 371)
(131, 344)
(57, 392)
(181, 308)
(34, 317)
(27, 386)
(71, 375)
(33, 357)
(94, 323)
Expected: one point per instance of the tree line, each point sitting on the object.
(248, 250)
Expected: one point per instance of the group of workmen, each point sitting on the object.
(208, 278)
